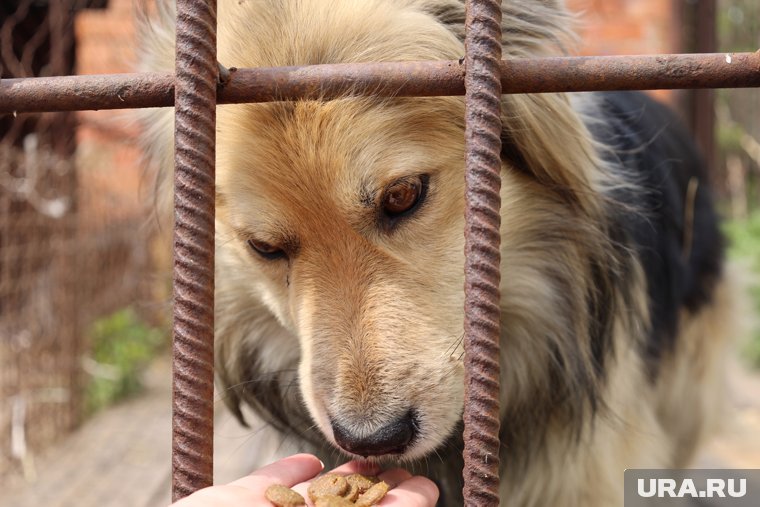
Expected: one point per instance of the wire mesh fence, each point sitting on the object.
(73, 247)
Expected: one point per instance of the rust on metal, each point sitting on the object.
(482, 252)
(195, 115)
(81, 93)
(651, 72)
(403, 79)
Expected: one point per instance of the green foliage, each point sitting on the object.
(121, 346)
(737, 23)
(744, 236)
(729, 136)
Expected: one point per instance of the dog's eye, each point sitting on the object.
(266, 250)
(404, 195)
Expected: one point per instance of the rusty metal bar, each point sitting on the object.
(701, 115)
(482, 252)
(195, 124)
(407, 79)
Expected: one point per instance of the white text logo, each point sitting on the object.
(715, 488)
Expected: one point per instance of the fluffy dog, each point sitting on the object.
(339, 303)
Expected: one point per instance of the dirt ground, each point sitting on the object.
(121, 457)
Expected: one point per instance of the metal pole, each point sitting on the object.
(194, 151)
(482, 252)
(703, 112)
(400, 79)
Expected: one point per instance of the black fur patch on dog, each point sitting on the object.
(655, 152)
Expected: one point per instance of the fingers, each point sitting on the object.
(406, 490)
(250, 490)
(395, 476)
(352, 467)
(288, 472)
(417, 491)
(296, 470)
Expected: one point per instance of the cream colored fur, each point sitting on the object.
(367, 323)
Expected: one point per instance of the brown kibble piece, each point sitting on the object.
(333, 501)
(282, 496)
(352, 493)
(362, 482)
(373, 495)
(329, 484)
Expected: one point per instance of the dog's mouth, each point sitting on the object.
(364, 418)
(393, 439)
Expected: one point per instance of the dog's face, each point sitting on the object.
(346, 218)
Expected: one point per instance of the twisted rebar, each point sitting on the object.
(195, 106)
(482, 249)
(399, 79)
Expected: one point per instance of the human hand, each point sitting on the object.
(297, 471)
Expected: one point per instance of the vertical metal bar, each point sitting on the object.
(698, 17)
(482, 250)
(194, 152)
(703, 113)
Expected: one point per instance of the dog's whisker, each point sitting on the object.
(453, 346)
(252, 434)
(261, 378)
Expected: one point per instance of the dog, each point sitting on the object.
(339, 275)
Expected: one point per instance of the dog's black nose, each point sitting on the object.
(391, 439)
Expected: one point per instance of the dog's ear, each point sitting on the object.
(449, 13)
(529, 27)
(542, 136)
(154, 22)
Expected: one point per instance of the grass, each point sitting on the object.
(121, 347)
(744, 237)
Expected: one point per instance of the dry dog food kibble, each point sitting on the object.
(373, 495)
(328, 484)
(282, 496)
(362, 482)
(333, 490)
(333, 501)
(358, 484)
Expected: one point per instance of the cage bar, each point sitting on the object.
(193, 328)
(482, 78)
(402, 79)
(482, 252)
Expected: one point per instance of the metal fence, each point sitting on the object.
(196, 88)
(71, 249)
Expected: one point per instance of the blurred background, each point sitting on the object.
(85, 273)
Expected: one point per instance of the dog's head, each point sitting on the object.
(346, 221)
(340, 246)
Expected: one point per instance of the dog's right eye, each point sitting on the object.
(267, 251)
(404, 196)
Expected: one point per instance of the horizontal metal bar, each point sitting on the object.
(407, 79)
